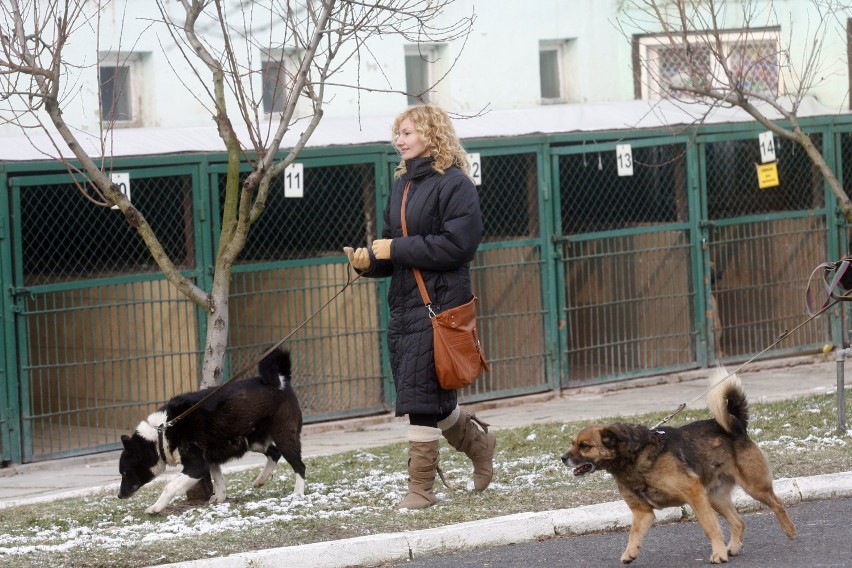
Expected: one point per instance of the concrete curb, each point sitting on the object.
(375, 550)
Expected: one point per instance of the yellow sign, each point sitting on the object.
(767, 175)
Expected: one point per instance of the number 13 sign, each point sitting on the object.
(624, 159)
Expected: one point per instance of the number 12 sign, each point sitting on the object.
(475, 168)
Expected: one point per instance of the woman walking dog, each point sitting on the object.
(444, 228)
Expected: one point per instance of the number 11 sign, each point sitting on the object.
(294, 180)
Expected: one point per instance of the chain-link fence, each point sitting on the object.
(584, 276)
(102, 336)
(844, 238)
(508, 278)
(293, 264)
(629, 294)
(764, 243)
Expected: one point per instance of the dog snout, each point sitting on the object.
(566, 459)
(127, 491)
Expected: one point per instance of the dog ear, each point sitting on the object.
(127, 441)
(628, 436)
(609, 438)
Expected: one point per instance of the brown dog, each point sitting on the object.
(697, 464)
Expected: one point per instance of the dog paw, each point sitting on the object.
(718, 558)
(217, 499)
(627, 558)
(734, 548)
(153, 510)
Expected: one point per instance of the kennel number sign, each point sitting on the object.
(767, 147)
(122, 180)
(294, 180)
(767, 169)
(624, 159)
(475, 168)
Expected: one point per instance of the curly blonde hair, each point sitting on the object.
(437, 133)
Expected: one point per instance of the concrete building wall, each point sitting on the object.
(497, 68)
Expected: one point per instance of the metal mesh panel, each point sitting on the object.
(336, 355)
(595, 198)
(337, 209)
(67, 237)
(508, 197)
(732, 189)
(96, 357)
(629, 305)
(846, 161)
(759, 269)
(100, 359)
(760, 274)
(845, 148)
(510, 321)
(845, 245)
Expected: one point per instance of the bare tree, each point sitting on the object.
(220, 39)
(730, 54)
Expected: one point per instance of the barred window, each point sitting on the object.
(552, 71)
(120, 83)
(278, 67)
(668, 64)
(420, 72)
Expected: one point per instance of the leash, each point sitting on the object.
(259, 358)
(832, 299)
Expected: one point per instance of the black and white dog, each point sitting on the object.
(260, 414)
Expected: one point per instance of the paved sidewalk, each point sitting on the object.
(766, 381)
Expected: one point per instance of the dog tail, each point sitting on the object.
(727, 401)
(274, 369)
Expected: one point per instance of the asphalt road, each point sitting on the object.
(824, 540)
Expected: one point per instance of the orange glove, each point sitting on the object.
(359, 259)
(382, 249)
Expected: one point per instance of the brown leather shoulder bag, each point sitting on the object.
(459, 359)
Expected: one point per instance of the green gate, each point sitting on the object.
(583, 276)
(762, 245)
(627, 265)
(293, 264)
(9, 410)
(100, 333)
(843, 242)
(511, 273)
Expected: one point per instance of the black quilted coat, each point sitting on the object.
(444, 230)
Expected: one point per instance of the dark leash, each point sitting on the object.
(251, 365)
(832, 298)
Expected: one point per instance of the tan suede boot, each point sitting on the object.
(422, 467)
(466, 433)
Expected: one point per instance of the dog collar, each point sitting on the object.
(161, 442)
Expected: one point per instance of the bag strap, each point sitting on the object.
(419, 277)
(830, 286)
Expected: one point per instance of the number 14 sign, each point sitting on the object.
(767, 147)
